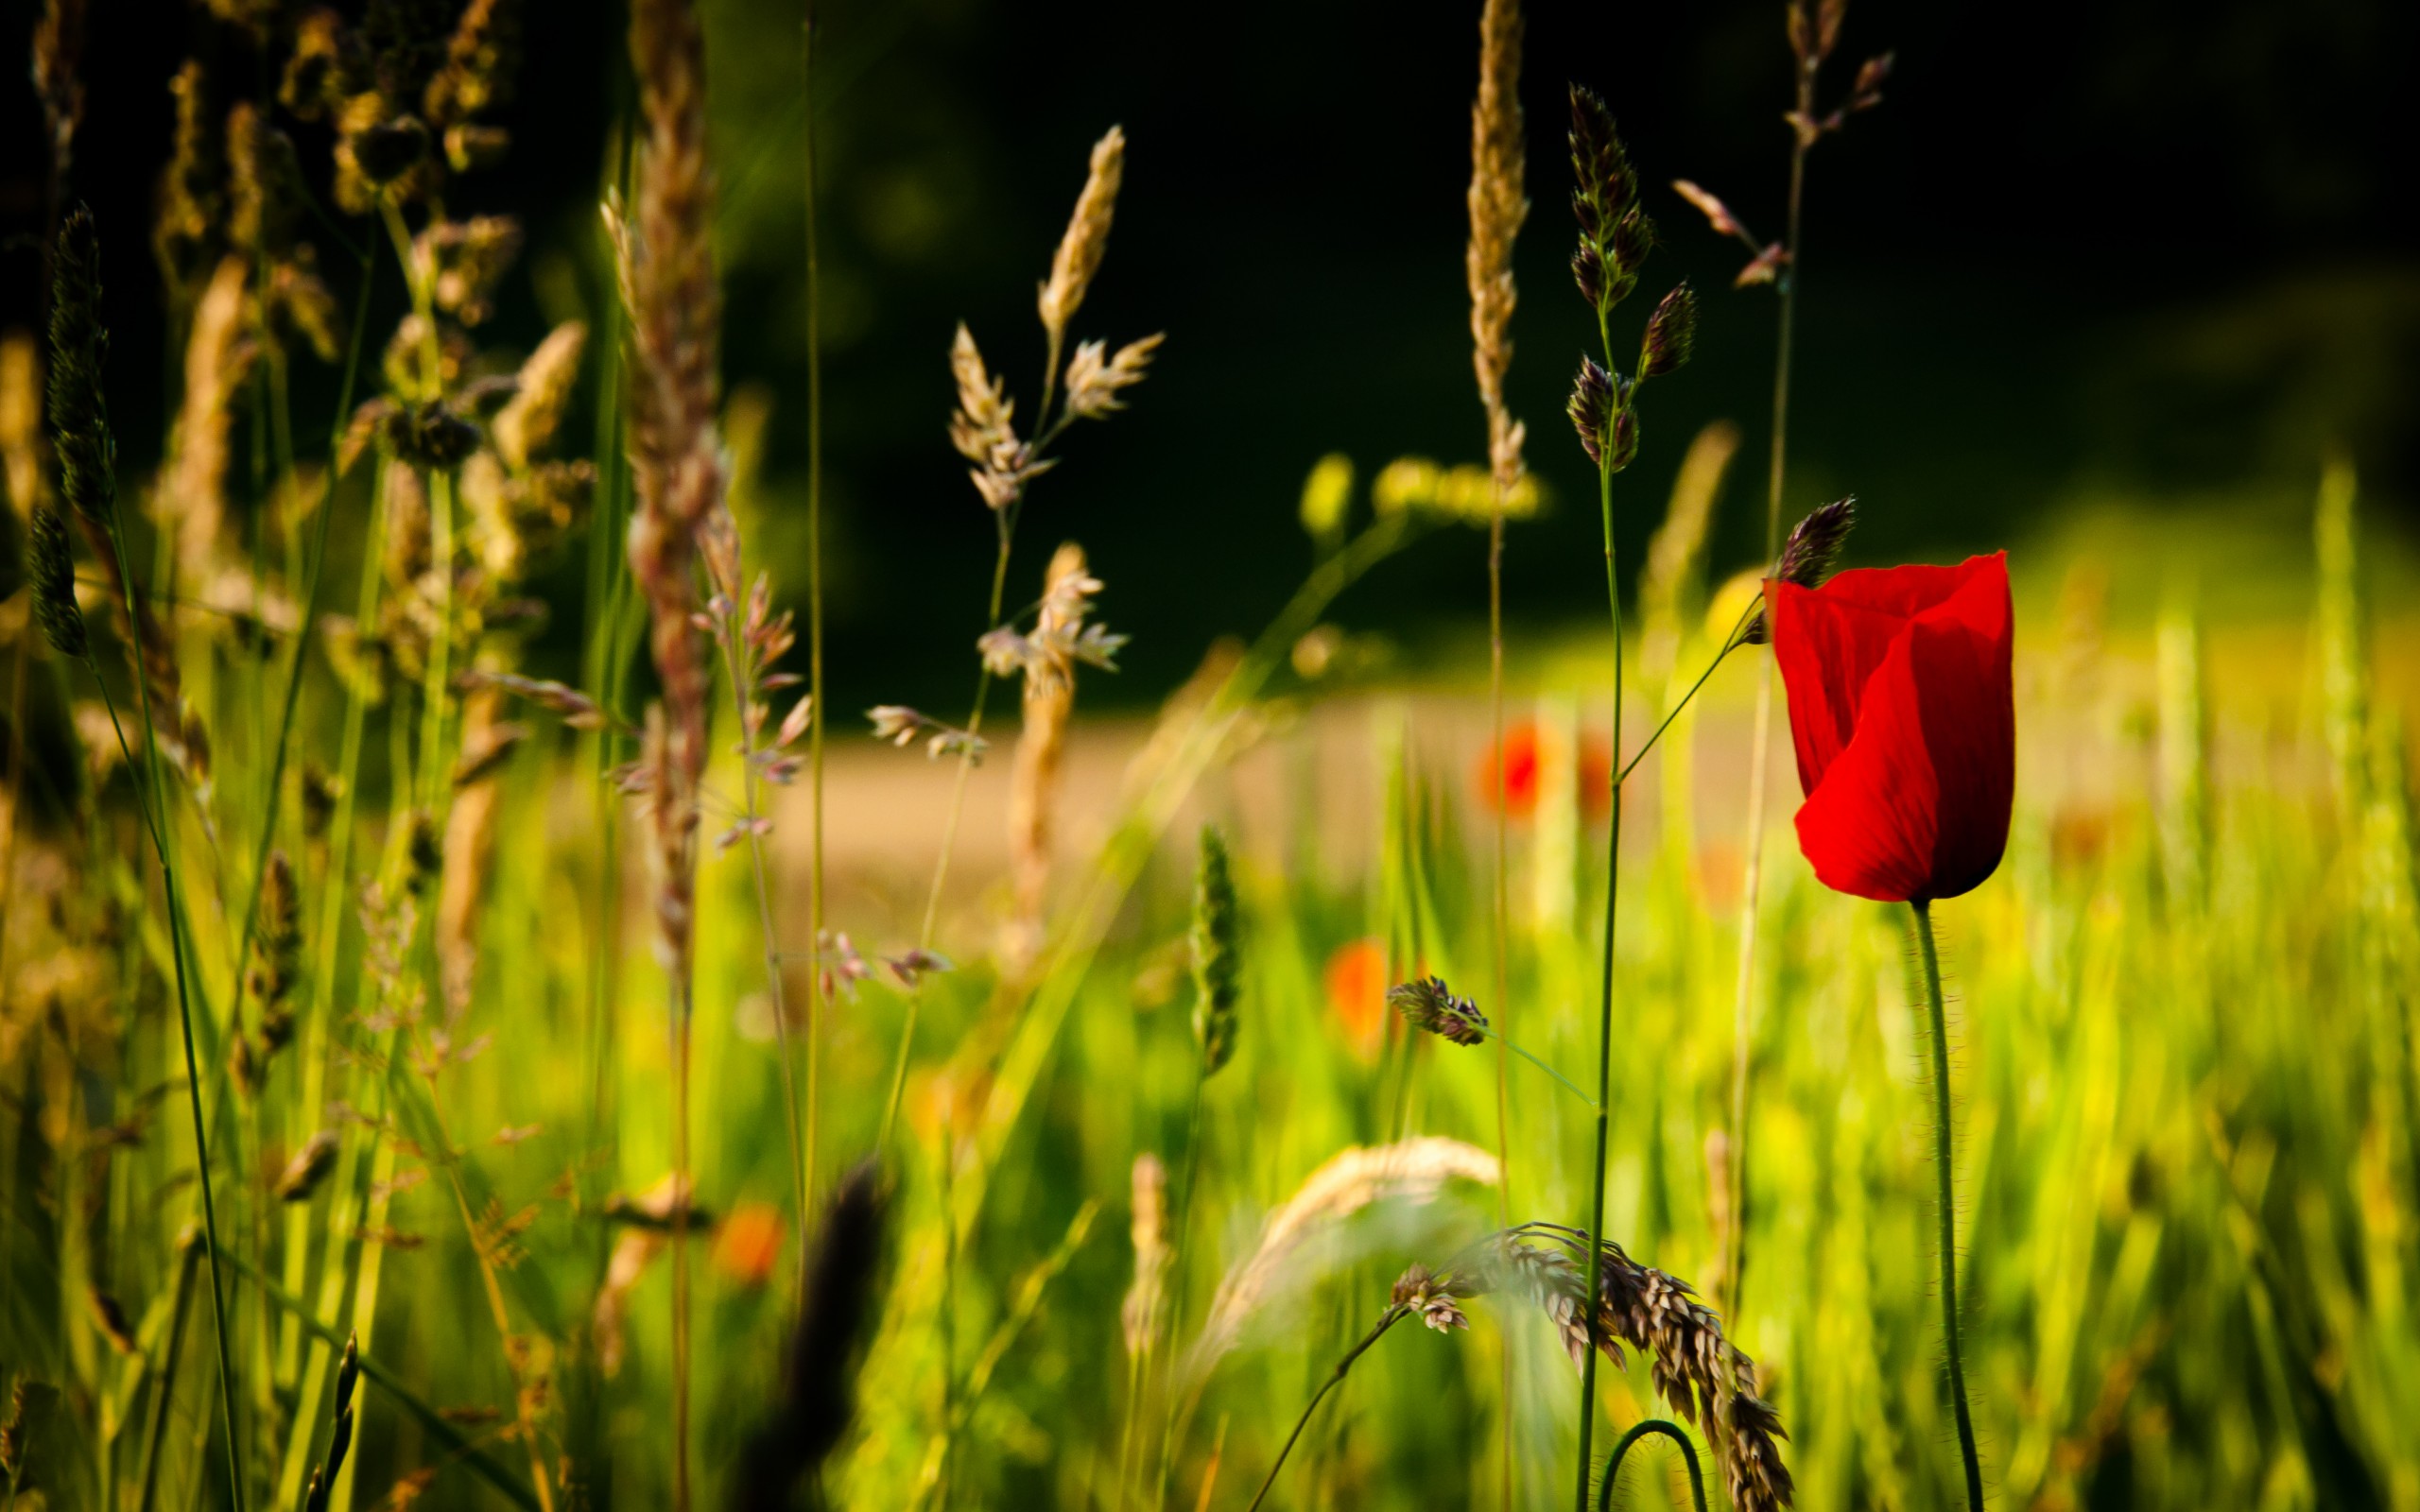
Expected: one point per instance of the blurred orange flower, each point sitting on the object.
(1509, 774)
(749, 1243)
(1356, 993)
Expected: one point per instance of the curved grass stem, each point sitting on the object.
(1622, 1448)
(1946, 1214)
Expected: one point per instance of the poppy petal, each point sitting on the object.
(1868, 827)
(1917, 804)
(1826, 651)
(1906, 591)
(1963, 654)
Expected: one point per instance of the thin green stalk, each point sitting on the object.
(158, 819)
(164, 1387)
(742, 695)
(1503, 1044)
(1622, 1446)
(1947, 1214)
(1605, 996)
(1502, 915)
(949, 843)
(1730, 645)
(1743, 992)
(814, 623)
(682, 1004)
(431, 1421)
(1389, 1321)
(1178, 1249)
(311, 575)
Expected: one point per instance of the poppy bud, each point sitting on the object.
(1902, 711)
(1672, 334)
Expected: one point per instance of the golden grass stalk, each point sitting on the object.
(1081, 246)
(1033, 775)
(1413, 1170)
(470, 847)
(665, 260)
(218, 362)
(1499, 205)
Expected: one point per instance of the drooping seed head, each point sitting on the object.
(1430, 1004)
(1218, 963)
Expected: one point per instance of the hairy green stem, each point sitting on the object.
(1392, 1315)
(1946, 1214)
(1622, 1446)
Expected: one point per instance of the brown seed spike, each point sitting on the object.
(1591, 408)
(1672, 334)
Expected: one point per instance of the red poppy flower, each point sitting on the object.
(1356, 993)
(1511, 775)
(1904, 716)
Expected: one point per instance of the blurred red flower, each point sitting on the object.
(1356, 993)
(1903, 712)
(748, 1243)
(1509, 774)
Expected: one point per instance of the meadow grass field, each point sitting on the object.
(438, 1070)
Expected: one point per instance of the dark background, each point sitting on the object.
(2152, 250)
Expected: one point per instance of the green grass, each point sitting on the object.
(2184, 1171)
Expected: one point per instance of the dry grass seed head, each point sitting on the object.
(1499, 205)
(1145, 1296)
(1414, 1170)
(1086, 239)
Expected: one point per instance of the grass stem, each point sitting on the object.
(1759, 755)
(1605, 996)
(1391, 1317)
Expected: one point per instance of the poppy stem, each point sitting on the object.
(1947, 1216)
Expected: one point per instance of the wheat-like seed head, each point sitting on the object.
(1041, 741)
(218, 362)
(1086, 240)
(1499, 205)
(526, 423)
(1352, 1180)
(1705, 1378)
(665, 260)
(1146, 1295)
